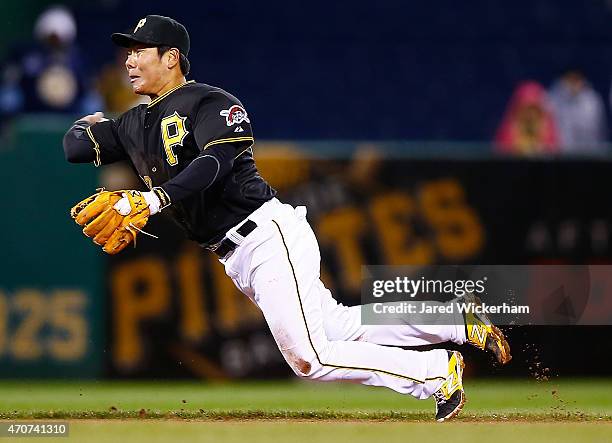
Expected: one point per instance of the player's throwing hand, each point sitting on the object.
(94, 118)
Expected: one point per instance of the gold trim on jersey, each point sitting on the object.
(229, 140)
(96, 147)
(242, 152)
(167, 93)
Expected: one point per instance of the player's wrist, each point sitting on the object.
(152, 201)
(161, 197)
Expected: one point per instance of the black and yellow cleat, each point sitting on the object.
(483, 334)
(450, 398)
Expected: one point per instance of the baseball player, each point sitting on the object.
(192, 146)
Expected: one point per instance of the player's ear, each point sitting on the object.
(173, 58)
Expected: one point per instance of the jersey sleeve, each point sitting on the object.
(106, 142)
(221, 119)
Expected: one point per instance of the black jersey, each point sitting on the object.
(162, 138)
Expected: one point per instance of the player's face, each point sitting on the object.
(146, 70)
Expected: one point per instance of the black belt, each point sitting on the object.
(226, 245)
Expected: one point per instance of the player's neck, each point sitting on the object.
(171, 84)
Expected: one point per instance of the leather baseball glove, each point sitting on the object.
(110, 228)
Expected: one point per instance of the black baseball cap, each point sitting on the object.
(156, 30)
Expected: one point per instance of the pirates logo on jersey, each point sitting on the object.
(173, 133)
(234, 115)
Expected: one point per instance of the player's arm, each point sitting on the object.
(93, 138)
(200, 174)
(209, 167)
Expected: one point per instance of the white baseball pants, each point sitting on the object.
(278, 267)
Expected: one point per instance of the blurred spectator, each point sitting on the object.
(528, 126)
(115, 88)
(49, 75)
(579, 113)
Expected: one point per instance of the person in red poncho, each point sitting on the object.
(528, 126)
